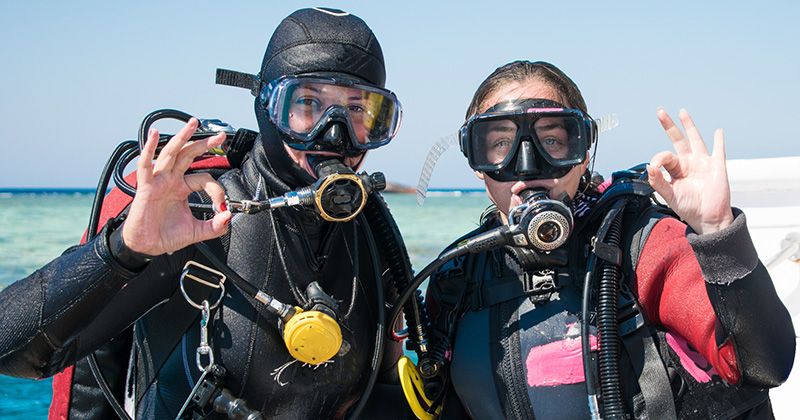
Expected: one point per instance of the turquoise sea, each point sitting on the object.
(36, 226)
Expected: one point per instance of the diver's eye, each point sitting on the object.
(308, 102)
(555, 147)
(355, 108)
(501, 144)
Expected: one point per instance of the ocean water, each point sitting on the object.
(36, 227)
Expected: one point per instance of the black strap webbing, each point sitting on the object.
(238, 79)
(651, 374)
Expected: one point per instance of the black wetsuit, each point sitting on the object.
(79, 301)
(716, 324)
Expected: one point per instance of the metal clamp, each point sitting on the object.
(247, 206)
(187, 273)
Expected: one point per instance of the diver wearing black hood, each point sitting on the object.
(314, 41)
(91, 294)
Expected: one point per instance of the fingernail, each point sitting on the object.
(223, 206)
(150, 132)
(659, 108)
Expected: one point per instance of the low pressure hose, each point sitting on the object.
(94, 221)
(607, 326)
(387, 234)
(586, 350)
(154, 116)
(377, 356)
(102, 185)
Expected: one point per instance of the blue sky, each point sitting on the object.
(77, 77)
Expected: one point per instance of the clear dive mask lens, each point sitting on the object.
(529, 139)
(303, 107)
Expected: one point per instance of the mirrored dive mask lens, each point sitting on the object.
(303, 107)
(555, 138)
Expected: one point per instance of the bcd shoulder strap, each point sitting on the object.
(636, 336)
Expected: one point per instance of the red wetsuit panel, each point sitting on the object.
(672, 293)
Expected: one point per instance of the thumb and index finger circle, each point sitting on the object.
(218, 225)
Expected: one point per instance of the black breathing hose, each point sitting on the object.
(377, 356)
(478, 243)
(586, 349)
(119, 171)
(126, 157)
(102, 186)
(101, 381)
(399, 265)
(607, 327)
(609, 237)
(424, 274)
(154, 116)
(94, 221)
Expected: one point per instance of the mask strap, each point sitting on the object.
(238, 79)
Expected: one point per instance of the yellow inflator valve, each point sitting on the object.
(414, 390)
(312, 337)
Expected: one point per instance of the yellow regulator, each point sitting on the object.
(312, 337)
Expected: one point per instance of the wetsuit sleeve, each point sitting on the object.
(714, 292)
(52, 318)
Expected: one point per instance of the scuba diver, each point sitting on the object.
(273, 305)
(578, 300)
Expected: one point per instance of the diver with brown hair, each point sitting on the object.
(583, 300)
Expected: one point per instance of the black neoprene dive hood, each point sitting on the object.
(316, 40)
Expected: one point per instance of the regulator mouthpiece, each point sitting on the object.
(546, 223)
(339, 194)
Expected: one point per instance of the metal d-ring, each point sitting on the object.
(220, 285)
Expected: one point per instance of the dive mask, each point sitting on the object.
(331, 114)
(527, 139)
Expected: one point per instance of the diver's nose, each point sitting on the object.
(334, 134)
(526, 159)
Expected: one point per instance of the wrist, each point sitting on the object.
(705, 228)
(124, 255)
